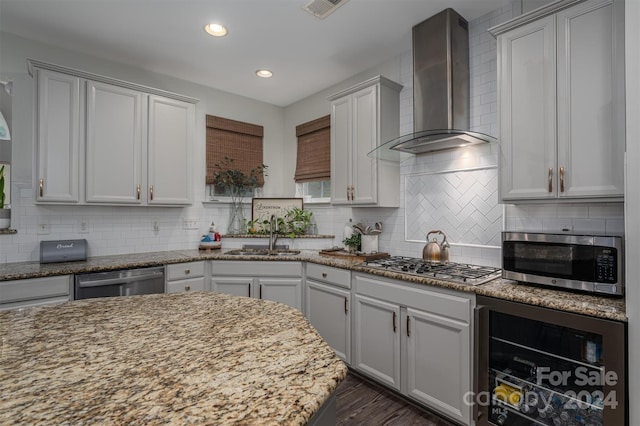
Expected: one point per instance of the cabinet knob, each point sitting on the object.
(187, 287)
(324, 275)
(187, 271)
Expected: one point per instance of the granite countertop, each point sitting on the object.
(593, 305)
(198, 358)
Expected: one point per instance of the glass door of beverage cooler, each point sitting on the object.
(538, 366)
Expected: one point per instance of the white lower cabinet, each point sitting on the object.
(438, 362)
(188, 276)
(268, 280)
(416, 340)
(328, 306)
(377, 340)
(17, 294)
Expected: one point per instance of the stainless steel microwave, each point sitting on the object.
(591, 263)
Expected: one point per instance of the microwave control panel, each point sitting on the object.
(606, 265)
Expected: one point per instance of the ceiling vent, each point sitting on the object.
(323, 8)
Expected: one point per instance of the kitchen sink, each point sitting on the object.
(262, 252)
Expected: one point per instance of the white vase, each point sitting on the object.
(369, 243)
(5, 218)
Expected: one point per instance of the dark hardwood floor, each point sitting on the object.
(359, 402)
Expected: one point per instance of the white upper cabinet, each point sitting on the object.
(169, 151)
(114, 144)
(107, 141)
(363, 117)
(561, 103)
(58, 137)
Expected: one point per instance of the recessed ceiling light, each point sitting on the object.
(215, 30)
(264, 73)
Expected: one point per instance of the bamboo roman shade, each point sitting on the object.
(314, 150)
(237, 140)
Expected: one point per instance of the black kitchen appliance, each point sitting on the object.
(539, 366)
(461, 273)
(590, 263)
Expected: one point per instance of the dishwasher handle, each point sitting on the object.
(120, 280)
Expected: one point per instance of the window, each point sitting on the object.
(313, 164)
(232, 139)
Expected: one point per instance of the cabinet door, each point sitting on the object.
(341, 150)
(439, 363)
(58, 133)
(527, 110)
(364, 170)
(114, 144)
(283, 290)
(591, 134)
(329, 311)
(377, 340)
(232, 285)
(169, 151)
(192, 284)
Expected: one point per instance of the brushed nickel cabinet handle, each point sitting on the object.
(561, 179)
(346, 305)
(353, 193)
(550, 179)
(187, 288)
(395, 316)
(138, 191)
(408, 331)
(348, 194)
(42, 187)
(151, 192)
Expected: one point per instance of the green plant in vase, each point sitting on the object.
(298, 221)
(237, 183)
(353, 242)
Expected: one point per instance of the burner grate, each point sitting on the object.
(455, 272)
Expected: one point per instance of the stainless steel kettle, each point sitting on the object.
(434, 251)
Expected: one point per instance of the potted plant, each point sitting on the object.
(5, 210)
(298, 221)
(237, 184)
(353, 242)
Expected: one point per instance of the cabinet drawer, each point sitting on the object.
(36, 288)
(264, 268)
(444, 302)
(192, 284)
(336, 276)
(180, 271)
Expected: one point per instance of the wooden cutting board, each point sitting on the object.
(359, 257)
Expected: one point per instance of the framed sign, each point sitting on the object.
(263, 208)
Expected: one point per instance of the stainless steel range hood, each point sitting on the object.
(440, 89)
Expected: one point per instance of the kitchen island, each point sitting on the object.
(199, 358)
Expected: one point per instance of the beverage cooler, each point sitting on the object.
(539, 366)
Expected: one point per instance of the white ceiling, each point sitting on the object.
(306, 54)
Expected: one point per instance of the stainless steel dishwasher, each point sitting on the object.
(119, 283)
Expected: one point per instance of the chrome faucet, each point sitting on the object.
(273, 237)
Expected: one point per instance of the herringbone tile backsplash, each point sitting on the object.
(462, 204)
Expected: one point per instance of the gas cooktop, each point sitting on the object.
(461, 273)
